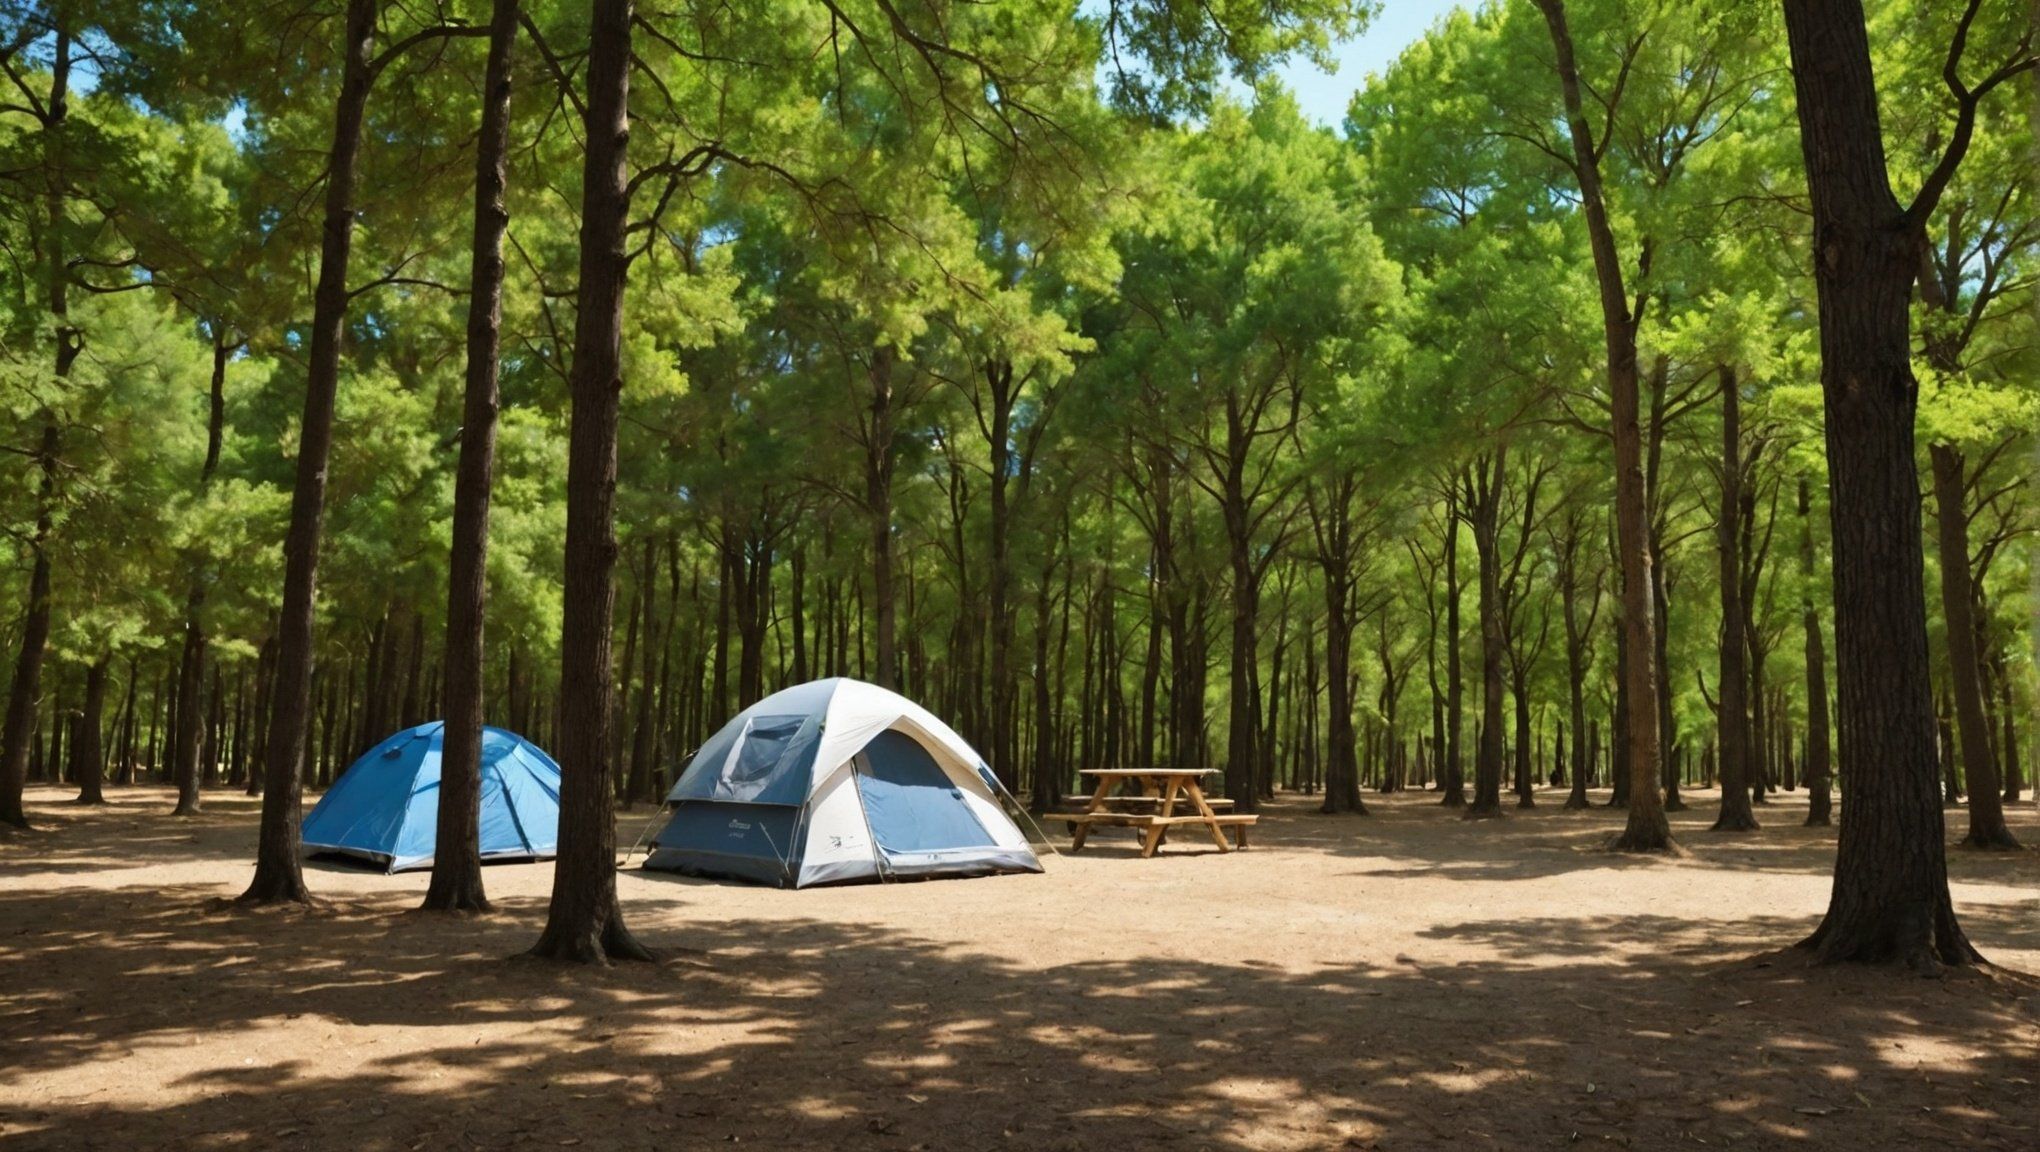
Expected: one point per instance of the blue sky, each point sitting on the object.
(1324, 97)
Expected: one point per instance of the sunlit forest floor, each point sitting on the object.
(1405, 981)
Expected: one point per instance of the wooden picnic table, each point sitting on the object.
(1145, 799)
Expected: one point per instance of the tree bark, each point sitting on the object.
(1987, 828)
(878, 507)
(1526, 786)
(191, 666)
(19, 728)
(1046, 791)
(1576, 639)
(1005, 683)
(654, 644)
(1890, 898)
(278, 878)
(1482, 501)
(1819, 772)
(1453, 780)
(1732, 719)
(2008, 708)
(1647, 829)
(457, 884)
(19, 732)
(584, 922)
(88, 753)
(1332, 521)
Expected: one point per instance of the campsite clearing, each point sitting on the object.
(1399, 981)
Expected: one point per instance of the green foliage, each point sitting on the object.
(894, 264)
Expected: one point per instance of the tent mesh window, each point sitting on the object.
(763, 747)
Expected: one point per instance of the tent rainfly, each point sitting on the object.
(837, 781)
(385, 808)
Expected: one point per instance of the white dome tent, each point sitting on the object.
(837, 781)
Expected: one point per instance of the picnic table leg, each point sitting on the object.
(1210, 817)
(1097, 802)
(1155, 832)
(1149, 786)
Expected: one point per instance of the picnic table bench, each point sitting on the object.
(1146, 799)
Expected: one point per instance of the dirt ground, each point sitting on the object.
(1405, 981)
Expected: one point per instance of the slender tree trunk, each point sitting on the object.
(1453, 784)
(1987, 828)
(457, 884)
(1647, 829)
(1890, 899)
(19, 728)
(35, 634)
(215, 728)
(410, 708)
(1819, 769)
(1732, 720)
(50, 764)
(1045, 794)
(2008, 709)
(277, 874)
(725, 594)
(1576, 631)
(641, 728)
(88, 753)
(584, 922)
(878, 507)
(1483, 501)
(124, 772)
(1240, 754)
(1526, 740)
(1342, 767)
(798, 607)
(191, 666)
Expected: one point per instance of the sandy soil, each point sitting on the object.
(1405, 981)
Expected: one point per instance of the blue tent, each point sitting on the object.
(385, 807)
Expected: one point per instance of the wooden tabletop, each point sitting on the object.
(1145, 771)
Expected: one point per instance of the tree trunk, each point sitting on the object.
(124, 753)
(50, 765)
(797, 624)
(1890, 898)
(1243, 712)
(641, 728)
(1987, 828)
(457, 859)
(1647, 829)
(35, 634)
(191, 666)
(1526, 788)
(1045, 792)
(584, 922)
(1453, 781)
(725, 592)
(1342, 767)
(88, 753)
(277, 874)
(878, 498)
(1483, 500)
(1576, 631)
(19, 727)
(265, 691)
(2008, 708)
(1005, 688)
(1819, 769)
(1732, 719)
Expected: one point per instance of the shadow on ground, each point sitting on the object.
(1646, 1032)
